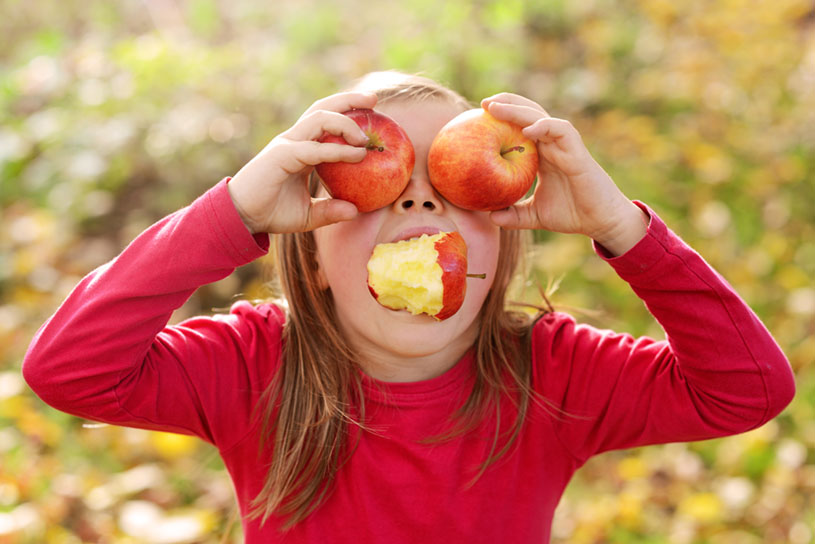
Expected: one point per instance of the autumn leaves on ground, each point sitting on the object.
(115, 114)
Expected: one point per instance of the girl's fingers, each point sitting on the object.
(522, 215)
(558, 131)
(341, 102)
(560, 144)
(296, 156)
(312, 125)
(520, 114)
(510, 98)
(325, 211)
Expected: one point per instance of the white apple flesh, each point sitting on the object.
(424, 275)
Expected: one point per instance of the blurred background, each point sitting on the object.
(113, 114)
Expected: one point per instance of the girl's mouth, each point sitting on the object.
(415, 232)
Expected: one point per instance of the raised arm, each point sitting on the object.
(718, 372)
(106, 354)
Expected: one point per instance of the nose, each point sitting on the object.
(419, 195)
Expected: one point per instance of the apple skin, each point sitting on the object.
(451, 256)
(382, 175)
(478, 162)
(453, 261)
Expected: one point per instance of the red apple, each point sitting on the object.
(382, 175)
(425, 275)
(478, 162)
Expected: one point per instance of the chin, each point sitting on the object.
(417, 331)
(408, 335)
(382, 333)
(433, 339)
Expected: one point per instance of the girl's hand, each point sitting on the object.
(573, 194)
(271, 191)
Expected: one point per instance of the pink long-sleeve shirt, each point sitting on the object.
(107, 354)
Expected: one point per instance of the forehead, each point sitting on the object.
(420, 118)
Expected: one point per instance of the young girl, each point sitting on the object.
(342, 421)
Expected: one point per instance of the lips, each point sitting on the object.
(415, 232)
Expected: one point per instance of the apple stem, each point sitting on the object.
(479, 276)
(518, 148)
(372, 147)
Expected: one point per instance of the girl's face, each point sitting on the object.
(385, 337)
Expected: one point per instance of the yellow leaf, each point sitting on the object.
(632, 468)
(703, 507)
(173, 446)
(630, 509)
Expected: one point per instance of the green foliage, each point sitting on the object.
(116, 113)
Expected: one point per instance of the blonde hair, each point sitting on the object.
(315, 404)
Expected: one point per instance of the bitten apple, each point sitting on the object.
(382, 175)
(478, 162)
(425, 275)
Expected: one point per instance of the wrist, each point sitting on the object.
(624, 232)
(234, 194)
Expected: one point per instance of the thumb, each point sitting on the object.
(325, 211)
(520, 216)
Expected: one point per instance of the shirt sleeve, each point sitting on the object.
(107, 354)
(718, 372)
